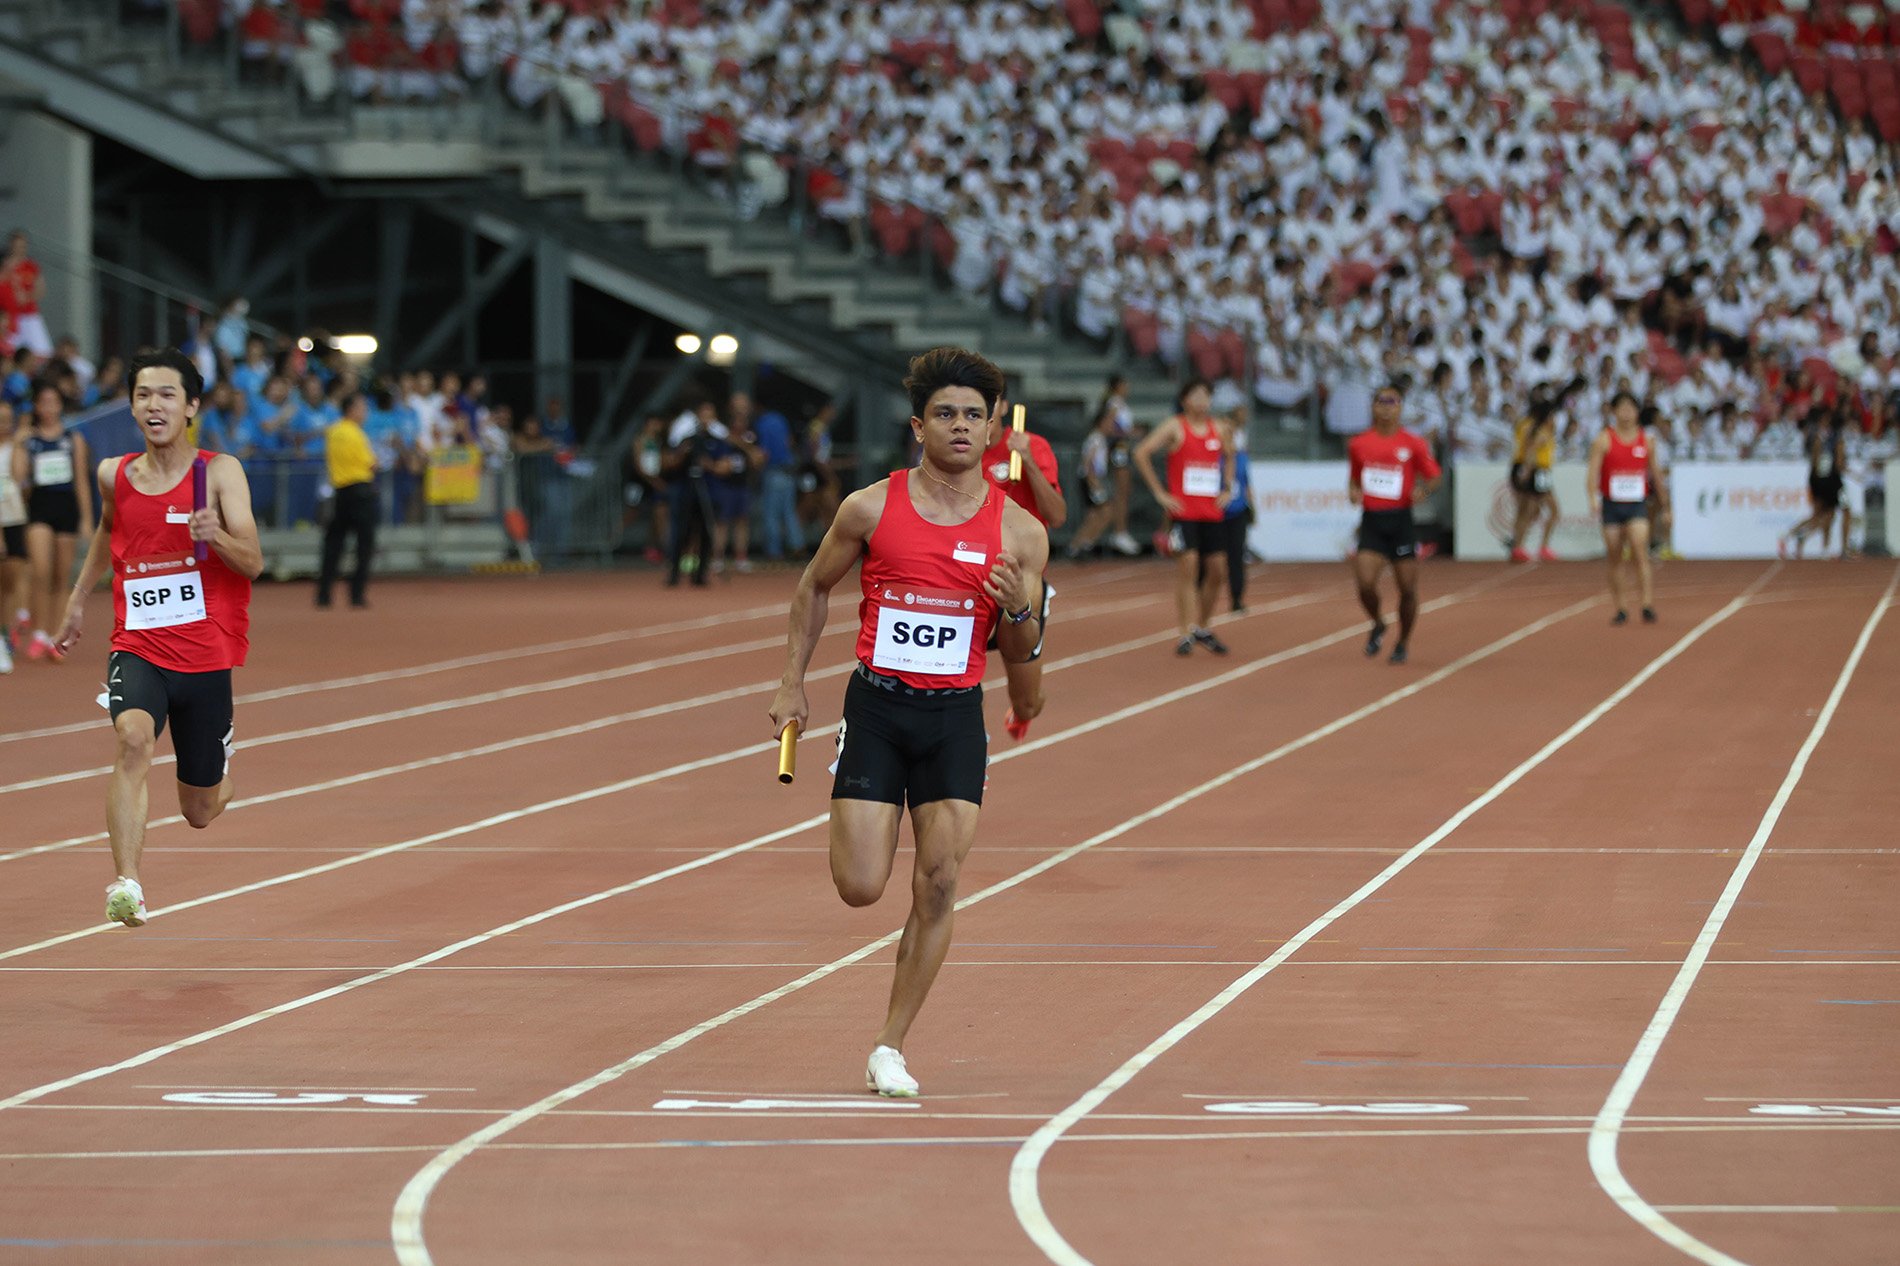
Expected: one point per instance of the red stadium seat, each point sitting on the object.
(1205, 354)
(1143, 330)
(199, 19)
(1085, 17)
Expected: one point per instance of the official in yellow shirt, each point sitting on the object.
(352, 464)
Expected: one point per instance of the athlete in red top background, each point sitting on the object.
(946, 558)
(180, 625)
(1391, 471)
(1039, 491)
(1622, 475)
(1200, 484)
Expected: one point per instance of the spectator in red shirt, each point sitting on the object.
(21, 288)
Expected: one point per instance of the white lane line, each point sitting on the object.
(446, 665)
(1604, 1162)
(453, 705)
(1025, 1168)
(406, 1221)
(545, 648)
(575, 730)
(910, 1141)
(694, 766)
(688, 767)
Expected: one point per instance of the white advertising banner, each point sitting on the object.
(1301, 512)
(1744, 509)
(1484, 510)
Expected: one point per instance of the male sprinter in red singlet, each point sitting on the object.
(1200, 484)
(946, 557)
(1039, 491)
(1392, 470)
(179, 625)
(1622, 474)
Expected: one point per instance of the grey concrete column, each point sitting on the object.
(553, 324)
(46, 189)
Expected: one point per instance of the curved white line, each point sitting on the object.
(1604, 1132)
(406, 1223)
(1025, 1168)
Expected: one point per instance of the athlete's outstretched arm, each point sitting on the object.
(98, 559)
(840, 550)
(226, 523)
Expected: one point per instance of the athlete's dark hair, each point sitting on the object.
(168, 358)
(942, 367)
(1649, 415)
(1180, 397)
(1621, 396)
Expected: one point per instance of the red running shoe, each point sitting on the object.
(1520, 555)
(1017, 729)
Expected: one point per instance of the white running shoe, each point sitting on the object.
(887, 1075)
(1124, 544)
(125, 902)
(6, 657)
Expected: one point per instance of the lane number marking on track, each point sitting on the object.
(1824, 1110)
(782, 1105)
(299, 1099)
(1301, 1107)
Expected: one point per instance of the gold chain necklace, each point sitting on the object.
(952, 487)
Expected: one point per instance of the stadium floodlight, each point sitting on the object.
(355, 344)
(305, 345)
(722, 349)
(688, 344)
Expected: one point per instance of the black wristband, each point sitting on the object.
(1016, 618)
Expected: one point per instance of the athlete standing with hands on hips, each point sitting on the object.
(946, 557)
(1200, 485)
(1622, 473)
(1391, 470)
(180, 623)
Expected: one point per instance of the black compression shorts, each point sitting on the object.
(57, 508)
(1391, 534)
(1826, 493)
(197, 704)
(898, 744)
(1203, 536)
(1617, 513)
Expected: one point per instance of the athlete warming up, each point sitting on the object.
(1622, 476)
(1200, 485)
(182, 567)
(1391, 471)
(946, 558)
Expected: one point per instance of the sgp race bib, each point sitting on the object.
(163, 592)
(925, 631)
(1629, 487)
(1199, 479)
(1384, 482)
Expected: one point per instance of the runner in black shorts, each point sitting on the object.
(1827, 456)
(1389, 470)
(49, 463)
(945, 557)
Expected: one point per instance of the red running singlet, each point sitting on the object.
(925, 618)
(1194, 473)
(168, 608)
(1625, 476)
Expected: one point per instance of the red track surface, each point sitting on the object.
(368, 930)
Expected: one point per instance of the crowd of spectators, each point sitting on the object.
(1487, 199)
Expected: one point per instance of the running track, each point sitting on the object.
(1562, 944)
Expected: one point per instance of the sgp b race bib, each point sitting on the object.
(52, 468)
(1384, 482)
(924, 631)
(163, 592)
(1199, 479)
(1629, 487)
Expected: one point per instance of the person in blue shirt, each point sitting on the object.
(778, 486)
(18, 384)
(312, 418)
(253, 374)
(1240, 515)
